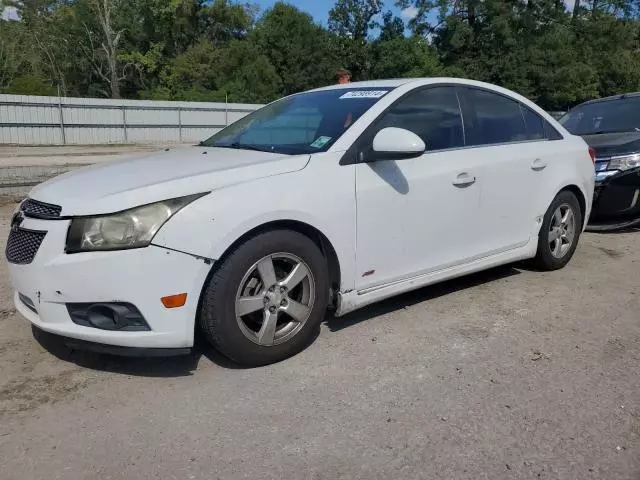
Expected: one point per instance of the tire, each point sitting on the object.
(247, 338)
(548, 256)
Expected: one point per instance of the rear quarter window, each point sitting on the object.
(550, 132)
(537, 127)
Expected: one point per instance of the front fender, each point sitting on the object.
(211, 224)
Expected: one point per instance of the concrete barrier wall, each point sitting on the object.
(35, 120)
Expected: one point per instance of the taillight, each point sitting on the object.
(592, 154)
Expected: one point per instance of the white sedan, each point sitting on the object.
(337, 197)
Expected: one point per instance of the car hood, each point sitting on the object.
(613, 144)
(117, 185)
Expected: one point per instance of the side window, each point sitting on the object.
(534, 123)
(491, 118)
(537, 127)
(431, 113)
(550, 132)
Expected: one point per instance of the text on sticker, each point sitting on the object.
(364, 94)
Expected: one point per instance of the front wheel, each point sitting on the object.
(559, 233)
(266, 301)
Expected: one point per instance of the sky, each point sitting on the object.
(9, 13)
(319, 9)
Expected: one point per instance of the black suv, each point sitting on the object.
(611, 126)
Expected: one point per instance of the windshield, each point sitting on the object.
(619, 115)
(303, 123)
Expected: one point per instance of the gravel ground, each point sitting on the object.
(22, 167)
(505, 374)
(21, 155)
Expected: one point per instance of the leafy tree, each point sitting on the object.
(392, 27)
(217, 49)
(248, 75)
(31, 85)
(611, 45)
(195, 70)
(298, 48)
(223, 21)
(350, 21)
(404, 57)
(354, 18)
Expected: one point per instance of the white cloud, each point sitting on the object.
(409, 13)
(569, 4)
(10, 13)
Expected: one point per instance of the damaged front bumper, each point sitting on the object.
(616, 202)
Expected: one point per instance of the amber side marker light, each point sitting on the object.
(174, 301)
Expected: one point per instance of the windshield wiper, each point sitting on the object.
(238, 146)
(245, 146)
(602, 132)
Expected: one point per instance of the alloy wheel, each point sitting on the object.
(562, 231)
(274, 299)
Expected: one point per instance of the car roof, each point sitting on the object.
(620, 96)
(417, 81)
(424, 81)
(367, 84)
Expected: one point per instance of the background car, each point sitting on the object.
(611, 126)
(340, 197)
(557, 114)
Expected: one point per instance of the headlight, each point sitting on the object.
(134, 228)
(624, 163)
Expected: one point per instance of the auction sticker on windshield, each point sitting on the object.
(320, 142)
(364, 94)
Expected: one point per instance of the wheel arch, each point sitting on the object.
(582, 201)
(311, 232)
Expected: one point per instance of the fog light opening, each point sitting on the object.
(102, 316)
(108, 316)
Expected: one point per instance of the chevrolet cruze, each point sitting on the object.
(332, 198)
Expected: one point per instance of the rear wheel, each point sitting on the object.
(267, 299)
(559, 233)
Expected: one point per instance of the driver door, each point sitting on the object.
(418, 215)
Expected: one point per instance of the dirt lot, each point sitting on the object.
(507, 374)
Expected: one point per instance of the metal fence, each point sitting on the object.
(35, 120)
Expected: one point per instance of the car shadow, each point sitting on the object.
(176, 366)
(633, 229)
(421, 295)
(392, 175)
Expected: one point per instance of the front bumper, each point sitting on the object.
(617, 199)
(141, 277)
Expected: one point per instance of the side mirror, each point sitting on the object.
(393, 143)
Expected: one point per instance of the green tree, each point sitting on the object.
(248, 75)
(354, 18)
(392, 27)
(350, 22)
(404, 57)
(222, 21)
(216, 49)
(299, 49)
(611, 45)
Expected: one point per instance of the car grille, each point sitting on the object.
(36, 209)
(23, 245)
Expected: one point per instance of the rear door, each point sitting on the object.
(512, 140)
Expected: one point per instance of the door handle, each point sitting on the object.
(464, 180)
(538, 165)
